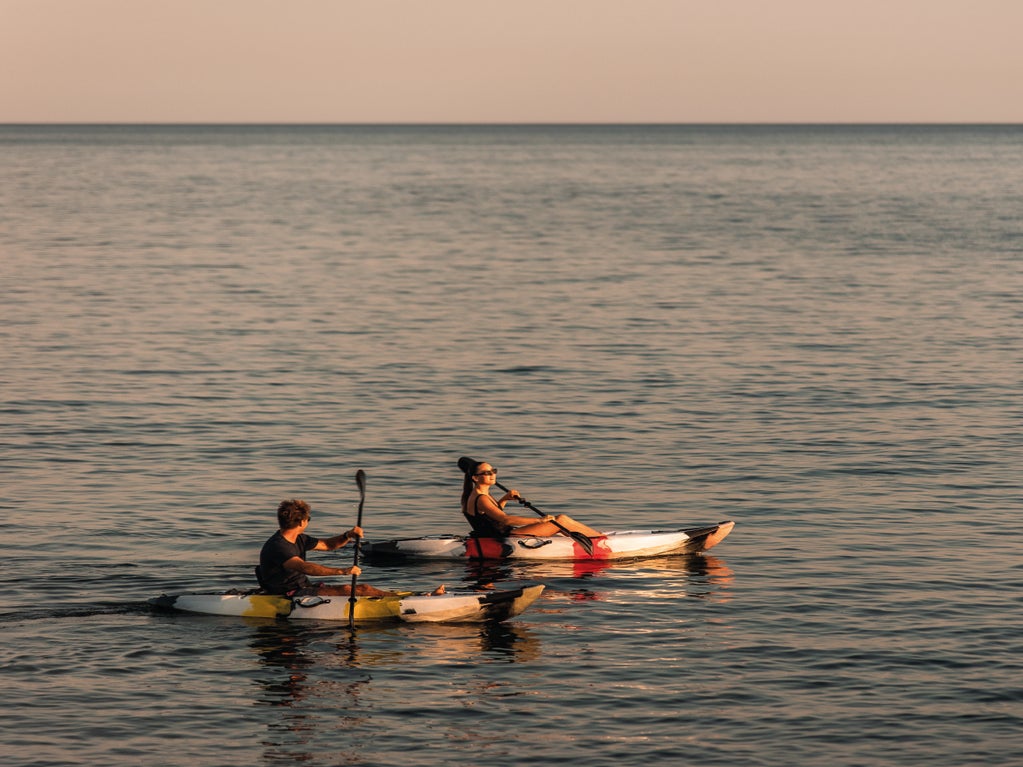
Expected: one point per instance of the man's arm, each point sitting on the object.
(297, 564)
(329, 544)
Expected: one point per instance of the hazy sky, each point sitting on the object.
(511, 61)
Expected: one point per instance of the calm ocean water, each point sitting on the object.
(814, 331)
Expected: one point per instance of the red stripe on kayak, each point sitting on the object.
(601, 549)
(485, 548)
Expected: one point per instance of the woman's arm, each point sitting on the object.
(494, 511)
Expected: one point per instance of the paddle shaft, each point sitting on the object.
(360, 480)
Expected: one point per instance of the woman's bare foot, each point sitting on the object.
(438, 591)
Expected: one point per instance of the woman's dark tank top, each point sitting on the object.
(482, 525)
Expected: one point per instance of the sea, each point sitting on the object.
(811, 330)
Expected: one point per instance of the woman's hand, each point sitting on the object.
(511, 495)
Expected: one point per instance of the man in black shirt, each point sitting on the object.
(282, 565)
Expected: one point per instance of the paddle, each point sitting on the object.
(466, 464)
(360, 480)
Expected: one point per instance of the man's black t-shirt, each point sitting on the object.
(278, 550)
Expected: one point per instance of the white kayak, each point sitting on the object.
(623, 544)
(451, 607)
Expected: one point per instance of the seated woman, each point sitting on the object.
(487, 516)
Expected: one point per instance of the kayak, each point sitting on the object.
(451, 607)
(625, 544)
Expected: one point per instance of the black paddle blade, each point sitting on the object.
(583, 541)
(360, 480)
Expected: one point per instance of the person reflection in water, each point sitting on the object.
(488, 518)
(283, 568)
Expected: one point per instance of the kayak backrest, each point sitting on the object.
(259, 577)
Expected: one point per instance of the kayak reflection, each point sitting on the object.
(696, 565)
(299, 649)
(315, 682)
(695, 575)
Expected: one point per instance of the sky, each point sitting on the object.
(515, 61)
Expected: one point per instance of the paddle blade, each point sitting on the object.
(360, 480)
(582, 540)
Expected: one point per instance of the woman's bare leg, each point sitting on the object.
(547, 529)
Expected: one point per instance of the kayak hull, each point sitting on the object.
(625, 544)
(452, 607)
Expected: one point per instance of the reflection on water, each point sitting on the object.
(658, 586)
(319, 676)
(698, 568)
(584, 582)
(479, 574)
(295, 650)
(485, 573)
(697, 576)
(281, 646)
